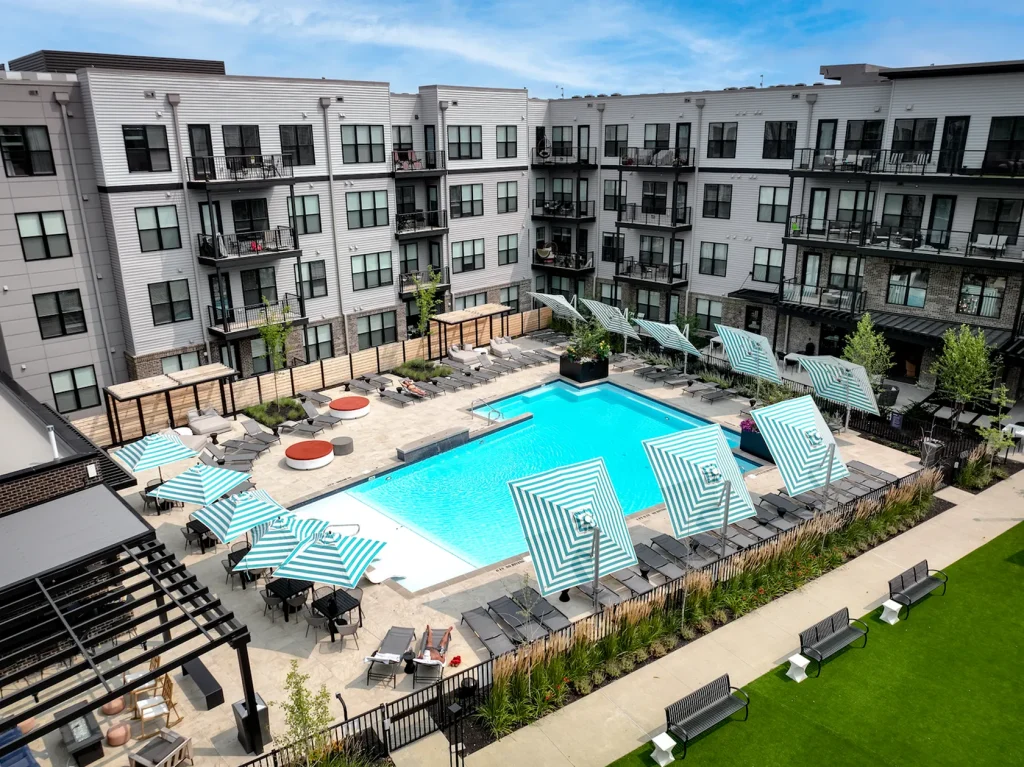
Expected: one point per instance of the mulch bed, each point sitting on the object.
(1010, 467)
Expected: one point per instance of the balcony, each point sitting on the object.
(640, 158)
(253, 169)
(267, 245)
(958, 163)
(564, 157)
(582, 210)
(646, 217)
(411, 163)
(421, 223)
(245, 321)
(818, 302)
(407, 281)
(645, 273)
(563, 263)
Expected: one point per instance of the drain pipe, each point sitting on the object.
(63, 99)
(812, 99)
(696, 196)
(443, 202)
(325, 104)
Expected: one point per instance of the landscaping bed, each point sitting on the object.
(276, 412)
(975, 475)
(421, 370)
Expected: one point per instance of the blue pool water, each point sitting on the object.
(460, 499)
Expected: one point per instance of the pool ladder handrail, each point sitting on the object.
(490, 409)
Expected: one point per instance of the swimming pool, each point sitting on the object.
(460, 499)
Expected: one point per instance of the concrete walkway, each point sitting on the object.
(625, 714)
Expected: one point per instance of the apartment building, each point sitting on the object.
(787, 210)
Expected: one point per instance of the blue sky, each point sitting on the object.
(575, 46)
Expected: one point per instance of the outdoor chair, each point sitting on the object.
(714, 543)
(605, 596)
(646, 369)
(252, 428)
(540, 609)
(703, 708)
(384, 661)
(191, 537)
(502, 347)
(632, 580)
(663, 375)
(360, 385)
(209, 459)
(549, 354)
(229, 572)
(130, 677)
(717, 394)
(347, 630)
(755, 528)
(522, 623)
(652, 560)
(487, 630)
(271, 602)
(510, 364)
(430, 661)
(699, 388)
(297, 601)
(786, 505)
(224, 453)
(327, 419)
(678, 380)
(527, 358)
(247, 444)
(315, 622)
(397, 397)
(454, 384)
(162, 705)
(769, 516)
(315, 397)
(871, 471)
(302, 427)
(830, 635)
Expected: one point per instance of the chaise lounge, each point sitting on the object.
(541, 609)
(487, 630)
(385, 660)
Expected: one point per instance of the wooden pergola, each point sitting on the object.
(462, 316)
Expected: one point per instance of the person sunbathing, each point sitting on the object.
(436, 650)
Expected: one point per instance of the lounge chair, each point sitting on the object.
(699, 388)
(652, 560)
(208, 460)
(872, 483)
(755, 528)
(738, 537)
(662, 375)
(487, 630)
(717, 394)
(541, 609)
(430, 388)
(525, 628)
(247, 445)
(528, 358)
(376, 380)
(302, 427)
(194, 442)
(509, 364)
(386, 659)
(871, 471)
(502, 347)
(633, 581)
(252, 428)
(647, 369)
(627, 364)
(769, 516)
(236, 456)
(678, 380)
(549, 354)
(429, 663)
(605, 596)
(207, 422)
(397, 397)
(463, 355)
(453, 384)
(413, 389)
(480, 375)
(315, 397)
(315, 416)
(787, 506)
(714, 543)
(360, 385)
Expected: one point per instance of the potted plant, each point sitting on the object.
(586, 356)
(752, 442)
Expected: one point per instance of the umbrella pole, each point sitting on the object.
(727, 491)
(597, 566)
(828, 472)
(846, 427)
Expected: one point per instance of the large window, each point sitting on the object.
(616, 140)
(297, 145)
(146, 147)
(610, 294)
(845, 272)
(561, 190)
(863, 135)
(508, 249)
(717, 200)
(655, 197)
(561, 141)
(613, 245)
(779, 140)
(43, 235)
(401, 138)
(916, 135)
(561, 239)
(709, 313)
(541, 189)
(311, 279)
(362, 144)
(652, 250)
(366, 209)
(242, 140)
(465, 142)
(59, 313)
(170, 302)
(376, 329)
(467, 200)
(318, 342)
(250, 215)
(767, 265)
(405, 200)
(998, 216)
(1005, 146)
(614, 195)
(853, 207)
(908, 286)
(371, 270)
(656, 135)
(507, 141)
(722, 139)
(259, 285)
(468, 302)
(903, 212)
(510, 297)
(648, 304)
(714, 258)
(158, 228)
(773, 204)
(26, 150)
(981, 295)
(306, 213)
(259, 356)
(75, 389)
(467, 255)
(508, 196)
(175, 363)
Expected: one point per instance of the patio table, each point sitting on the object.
(336, 604)
(286, 588)
(199, 527)
(234, 558)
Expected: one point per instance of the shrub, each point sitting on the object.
(687, 633)
(598, 677)
(421, 370)
(275, 411)
(704, 626)
(589, 342)
(627, 663)
(583, 686)
(720, 617)
(725, 381)
(613, 669)
(974, 473)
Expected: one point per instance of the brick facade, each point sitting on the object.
(146, 365)
(35, 487)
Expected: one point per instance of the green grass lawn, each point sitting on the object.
(943, 688)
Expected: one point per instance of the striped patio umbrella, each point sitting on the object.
(559, 306)
(749, 353)
(670, 337)
(337, 560)
(801, 444)
(154, 451)
(274, 541)
(229, 517)
(612, 320)
(842, 382)
(699, 479)
(564, 512)
(201, 485)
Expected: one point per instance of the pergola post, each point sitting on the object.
(252, 715)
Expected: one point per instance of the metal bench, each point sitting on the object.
(913, 585)
(703, 708)
(827, 637)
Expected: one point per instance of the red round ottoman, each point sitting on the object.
(309, 454)
(350, 407)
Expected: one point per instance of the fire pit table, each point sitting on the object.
(309, 454)
(350, 407)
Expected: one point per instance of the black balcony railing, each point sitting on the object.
(564, 155)
(420, 221)
(408, 160)
(612, 253)
(838, 299)
(407, 282)
(645, 215)
(641, 157)
(942, 162)
(244, 244)
(661, 273)
(237, 318)
(575, 261)
(249, 167)
(557, 209)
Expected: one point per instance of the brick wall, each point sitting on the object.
(351, 322)
(31, 489)
(146, 365)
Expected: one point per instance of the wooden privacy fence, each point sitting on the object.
(132, 419)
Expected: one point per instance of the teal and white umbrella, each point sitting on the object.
(229, 517)
(669, 336)
(842, 382)
(749, 353)
(337, 560)
(801, 444)
(201, 485)
(573, 525)
(612, 320)
(154, 451)
(273, 542)
(699, 479)
(559, 306)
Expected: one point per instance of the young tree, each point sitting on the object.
(426, 299)
(306, 714)
(274, 328)
(963, 372)
(995, 438)
(868, 349)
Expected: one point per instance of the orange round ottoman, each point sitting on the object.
(118, 734)
(348, 408)
(309, 454)
(116, 706)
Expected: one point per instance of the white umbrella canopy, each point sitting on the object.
(611, 319)
(749, 353)
(559, 306)
(153, 452)
(842, 382)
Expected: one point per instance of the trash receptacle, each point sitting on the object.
(264, 716)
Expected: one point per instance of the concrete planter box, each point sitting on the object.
(886, 396)
(752, 442)
(583, 372)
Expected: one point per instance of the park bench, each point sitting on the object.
(827, 637)
(703, 708)
(913, 585)
(205, 681)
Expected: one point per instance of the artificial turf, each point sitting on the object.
(945, 687)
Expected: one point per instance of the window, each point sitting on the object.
(306, 213)
(43, 235)
(260, 358)
(408, 258)
(158, 228)
(863, 134)
(297, 145)
(401, 138)
(508, 249)
(845, 272)
(205, 225)
(981, 295)
(753, 319)
(611, 294)
(60, 313)
(612, 246)
(853, 208)
(714, 257)
(648, 304)
(259, 285)
(998, 216)
(178, 362)
(652, 250)
(405, 200)
(717, 200)
(767, 265)
(773, 204)
(908, 286)
(722, 139)
(241, 140)
(903, 212)
(26, 150)
(362, 144)
(75, 389)
(616, 140)
(561, 190)
(507, 138)
(170, 302)
(683, 140)
(468, 302)
(311, 279)
(366, 209)
(656, 135)
(561, 141)
(371, 270)
(561, 239)
(250, 215)
(614, 195)
(508, 196)
(541, 187)
(319, 342)
(146, 147)
(826, 134)
(1005, 145)
(655, 197)
(467, 255)
(510, 297)
(709, 313)
(779, 140)
(465, 142)
(917, 135)
(467, 200)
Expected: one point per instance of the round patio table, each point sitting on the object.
(350, 407)
(309, 454)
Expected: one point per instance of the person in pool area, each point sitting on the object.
(431, 650)
(411, 387)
